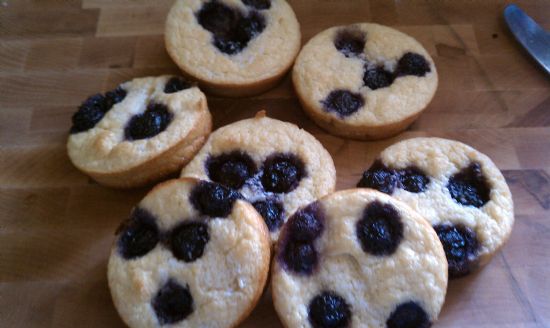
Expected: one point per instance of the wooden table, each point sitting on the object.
(56, 226)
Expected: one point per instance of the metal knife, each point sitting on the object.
(531, 36)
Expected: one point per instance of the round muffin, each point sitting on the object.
(140, 132)
(233, 47)
(364, 81)
(456, 188)
(275, 165)
(358, 258)
(192, 254)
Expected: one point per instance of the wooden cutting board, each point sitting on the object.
(56, 226)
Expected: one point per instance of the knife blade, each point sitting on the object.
(529, 34)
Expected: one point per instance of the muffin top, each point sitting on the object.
(192, 254)
(275, 165)
(459, 190)
(232, 42)
(134, 123)
(364, 74)
(358, 258)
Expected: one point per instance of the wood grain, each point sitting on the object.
(57, 226)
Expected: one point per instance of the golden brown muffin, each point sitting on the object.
(457, 189)
(140, 132)
(233, 48)
(192, 254)
(358, 258)
(364, 81)
(277, 166)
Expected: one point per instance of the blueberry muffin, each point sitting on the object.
(275, 166)
(358, 258)
(139, 132)
(364, 81)
(233, 47)
(192, 254)
(456, 188)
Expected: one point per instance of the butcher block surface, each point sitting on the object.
(57, 226)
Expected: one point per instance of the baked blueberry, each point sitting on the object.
(231, 30)
(412, 179)
(343, 102)
(461, 247)
(329, 310)
(89, 113)
(94, 108)
(282, 173)
(172, 303)
(250, 26)
(213, 199)
(188, 240)
(468, 187)
(377, 77)
(299, 257)
(153, 121)
(237, 39)
(258, 4)
(115, 96)
(412, 64)
(379, 177)
(176, 84)
(306, 224)
(350, 42)
(408, 315)
(217, 18)
(138, 235)
(231, 169)
(272, 211)
(380, 230)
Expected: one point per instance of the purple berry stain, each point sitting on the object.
(297, 251)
